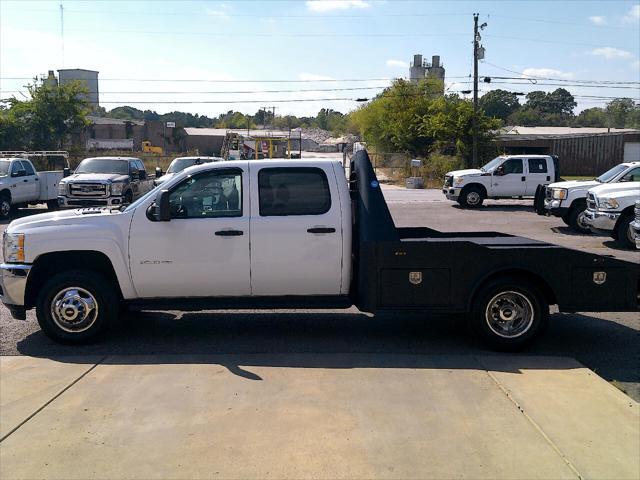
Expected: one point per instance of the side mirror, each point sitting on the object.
(19, 173)
(135, 174)
(66, 172)
(142, 174)
(159, 211)
(499, 171)
(158, 172)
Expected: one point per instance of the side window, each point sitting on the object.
(28, 168)
(140, 165)
(208, 195)
(537, 165)
(16, 167)
(513, 165)
(631, 176)
(293, 191)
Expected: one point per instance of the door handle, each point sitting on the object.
(25, 181)
(321, 230)
(524, 179)
(548, 178)
(229, 233)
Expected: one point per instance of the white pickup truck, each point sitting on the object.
(507, 176)
(568, 200)
(610, 211)
(290, 234)
(21, 185)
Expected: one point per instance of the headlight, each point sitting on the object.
(559, 193)
(610, 203)
(13, 247)
(62, 189)
(458, 179)
(116, 188)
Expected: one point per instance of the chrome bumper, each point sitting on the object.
(601, 221)
(452, 193)
(13, 282)
(635, 228)
(75, 202)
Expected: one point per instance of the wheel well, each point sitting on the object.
(52, 263)
(624, 214)
(577, 202)
(6, 193)
(478, 185)
(538, 281)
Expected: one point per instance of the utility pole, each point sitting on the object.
(62, 32)
(476, 44)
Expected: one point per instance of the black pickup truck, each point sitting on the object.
(291, 234)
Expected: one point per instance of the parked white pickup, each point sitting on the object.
(506, 176)
(20, 185)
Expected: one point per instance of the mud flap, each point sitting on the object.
(538, 200)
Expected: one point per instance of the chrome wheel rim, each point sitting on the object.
(74, 309)
(509, 314)
(581, 223)
(473, 198)
(5, 207)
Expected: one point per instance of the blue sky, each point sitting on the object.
(314, 41)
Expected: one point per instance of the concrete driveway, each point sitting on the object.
(313, 416)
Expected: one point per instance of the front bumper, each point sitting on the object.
(452, 193)
(114, 201)
(13, 283)
(555, 208)
(601, 222)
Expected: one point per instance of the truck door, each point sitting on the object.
(203, 251)
(538, 173)
(508, 179)
(32, 189)
(20, 184)
(296, 234)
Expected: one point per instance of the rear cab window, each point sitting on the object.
(285, 191)
(537, 165)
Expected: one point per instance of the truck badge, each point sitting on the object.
(599, 277)
(415, 278)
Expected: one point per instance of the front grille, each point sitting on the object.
(448, 180)
(548, 194)
(88, 190)
(592, 204)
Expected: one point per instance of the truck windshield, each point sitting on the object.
(180, 164)
(4, 168)
(609, 175)
(492, 164)
(103, 165)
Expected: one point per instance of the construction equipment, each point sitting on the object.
(148, 148)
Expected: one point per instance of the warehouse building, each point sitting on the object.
(582, 150)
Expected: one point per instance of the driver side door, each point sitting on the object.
(203, 251)
(508, 179)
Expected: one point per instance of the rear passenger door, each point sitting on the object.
(296, 235)
(538, 174)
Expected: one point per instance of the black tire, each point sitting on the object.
(504, 297)
(86, 283)
(5, 207)
(471, 197)
(128, 197)
(53, 204)
(575, 218)
(623, 236)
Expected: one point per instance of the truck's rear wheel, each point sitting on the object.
(76, 307)
(509, 313)
(5, 207)
(624, 235)
(471, 197)
(53, 204)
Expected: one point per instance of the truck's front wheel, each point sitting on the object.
(509, 313)
(76, 307)
(624, 236)
(575, 218)
(471, 197)
(5, 207)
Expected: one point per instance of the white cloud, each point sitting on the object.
(221, 11)
(330, 5)
(547, 73)
(610, 53)
(309, 77)
(633, 15)
(598, 20)
(636, 64)
(397, 63)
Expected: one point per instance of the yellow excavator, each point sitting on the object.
(148, 148)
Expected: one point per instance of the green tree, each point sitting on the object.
(499, 104)
(620, 112)
(47, 119)
(591, 117)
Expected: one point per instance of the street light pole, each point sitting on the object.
(474, 154)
